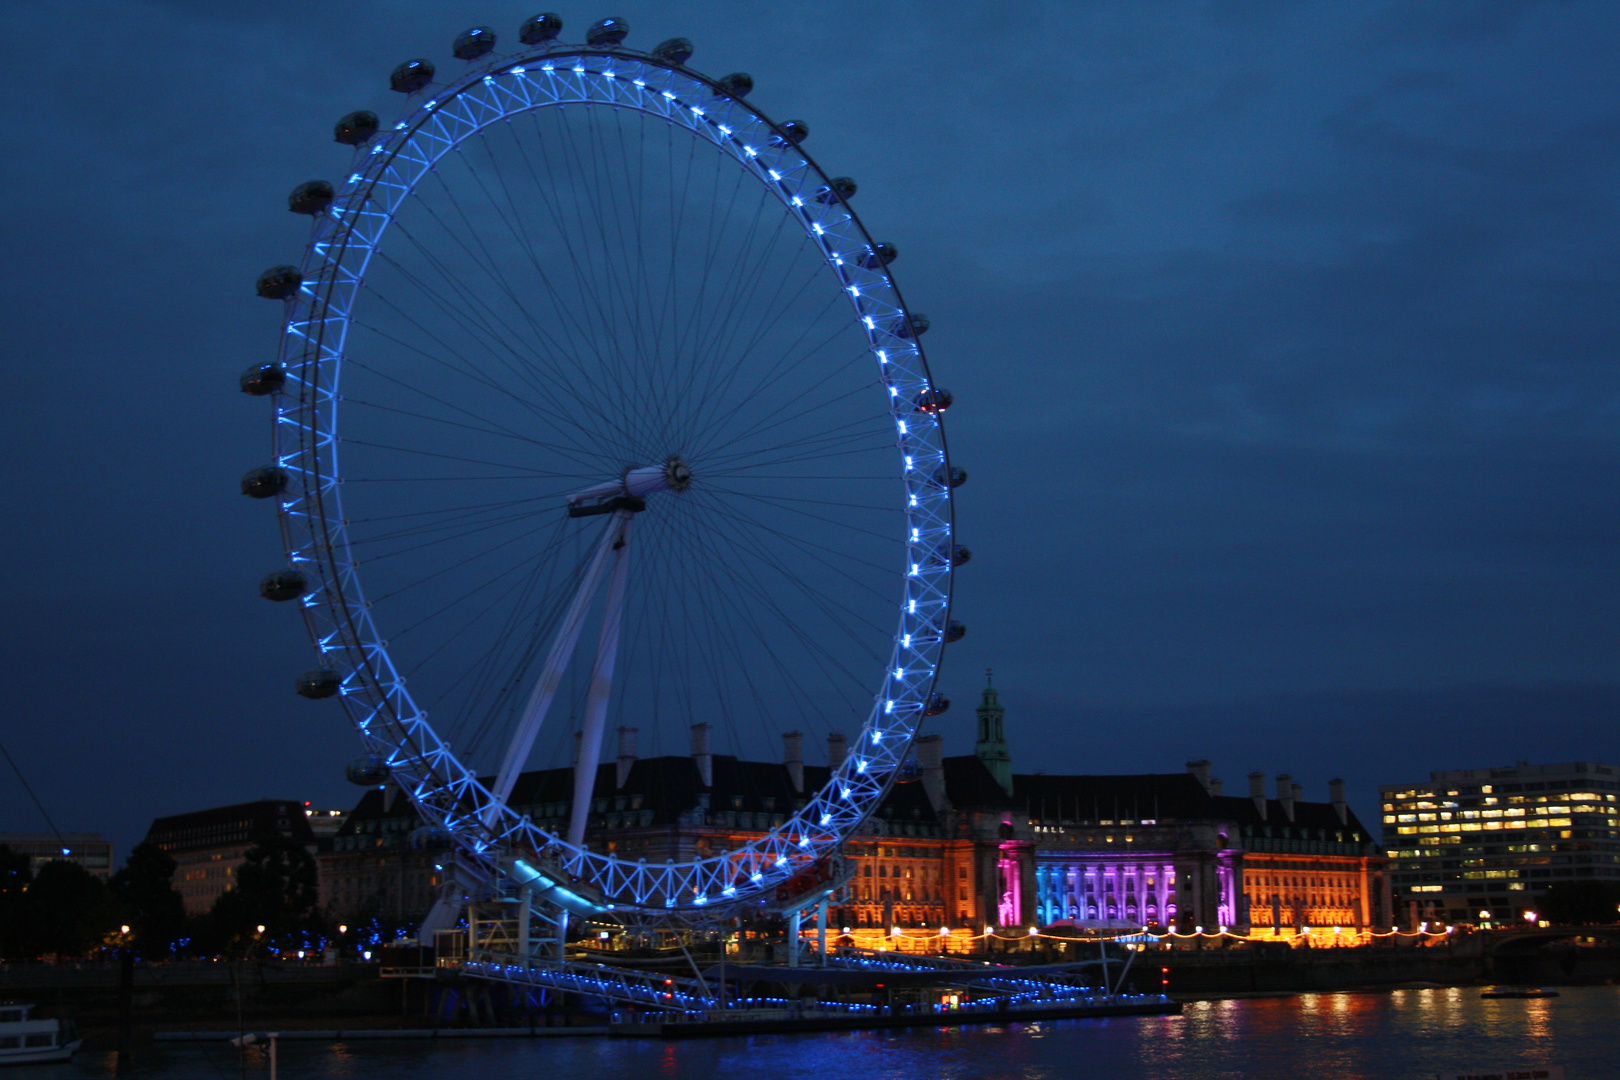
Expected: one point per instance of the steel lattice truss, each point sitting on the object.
(345, 238)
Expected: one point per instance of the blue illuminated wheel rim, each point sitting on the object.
(419, 185)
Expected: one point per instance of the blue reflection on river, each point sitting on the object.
(1372, 1036)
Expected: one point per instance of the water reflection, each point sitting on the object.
(1371, 1036)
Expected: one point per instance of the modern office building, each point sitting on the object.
(1477, 841)
(208, 845)
(90, 850)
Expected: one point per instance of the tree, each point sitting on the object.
(275, 888)
(15, 878)
(145, 891)
(1576, 903)
(69, 910)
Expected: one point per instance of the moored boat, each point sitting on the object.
(25, 1040)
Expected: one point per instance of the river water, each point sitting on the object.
(1397, 1035)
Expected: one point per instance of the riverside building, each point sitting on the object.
(959, 843)
(1473, 841)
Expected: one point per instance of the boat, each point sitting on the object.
(1519, 992)
(27, 1041)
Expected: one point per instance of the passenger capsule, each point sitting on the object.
(541, 28)
(369, 771)
(310, 197)
(411, 76)
(610, 31)
(838, 189)
(262, 379)
(356, 127)
(473, 43)
(876, 256)
(937, 703)
(677, 50)
(279, 282)
(934, 400)
(954, 631)
(318, 683)
(795, 131)
(286, 584)
(265, 483)
(951, 555)
(738, 84)
(914, 326)
(953, 478)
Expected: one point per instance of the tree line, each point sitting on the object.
(64, 912)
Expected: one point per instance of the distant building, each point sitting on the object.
(1488, 840)
(325, 824)
(958, 842)
(208, 845)
(90, 850)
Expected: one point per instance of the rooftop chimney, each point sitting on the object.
(1214, 785)
(1200, 770)
(837, 750)
(793, 758)
(931, 763)
(700, 754)
(1299, 793)
(1336, 795)
(1285, 794)
(1257, 792)
(627, 755)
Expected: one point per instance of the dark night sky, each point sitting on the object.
(1283, 339)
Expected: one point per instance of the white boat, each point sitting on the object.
(25, 1041)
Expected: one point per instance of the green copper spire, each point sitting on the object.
(992, 745)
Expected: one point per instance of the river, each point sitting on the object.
(1397, 1035)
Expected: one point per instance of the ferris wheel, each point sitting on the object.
(587, 347)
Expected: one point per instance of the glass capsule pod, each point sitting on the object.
(541, 28)
(265, 482)
(318, 683)
(954, 631)
(792, 131)
(279, 282)
(411, 76)
(876, 256)
(262, 379)
(954, 477)
(937, 703)
(839, 189)
(914, 326)
(609, 31)
(473, 43)
(280, 585)
(310, 197)
(738, 84)
(356, 127)
(674, 51)
(369, 771)
(934, 400)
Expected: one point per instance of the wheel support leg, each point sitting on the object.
(607, 651)
(545, 688)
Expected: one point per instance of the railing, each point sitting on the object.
(591, 980)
